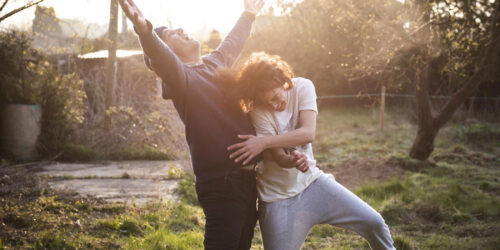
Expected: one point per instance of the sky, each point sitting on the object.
(191, 15)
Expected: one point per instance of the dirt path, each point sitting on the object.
(140, 181)
(143, 181)
(354, 173)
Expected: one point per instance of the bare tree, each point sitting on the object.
(425, 47)
(427, 72)
(26, 5)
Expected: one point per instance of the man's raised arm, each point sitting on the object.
(230, 48)
(164, 61)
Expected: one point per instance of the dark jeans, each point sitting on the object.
(230, 209)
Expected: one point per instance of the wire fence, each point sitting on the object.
(473, 107)
(403, 95)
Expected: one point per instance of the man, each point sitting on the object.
(226, 190)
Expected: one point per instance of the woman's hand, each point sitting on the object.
(135, 15)
(300, 161)
(248, 149)
(253, 6)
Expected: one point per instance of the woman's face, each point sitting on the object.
(275, 99)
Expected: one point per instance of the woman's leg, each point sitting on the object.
(344, 209)
(285, 223)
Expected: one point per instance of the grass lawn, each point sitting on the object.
(450, 202)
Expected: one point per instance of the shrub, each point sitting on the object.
(27, 77)
(15, 55)
(61, 98)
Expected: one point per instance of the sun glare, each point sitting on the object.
(193, 16)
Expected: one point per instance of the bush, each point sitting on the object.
(72, 131)
(15, 85)
(61, 98)
(27, 77)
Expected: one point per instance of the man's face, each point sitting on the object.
(275, 99)
(182, 44)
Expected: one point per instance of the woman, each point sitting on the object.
(294, 194)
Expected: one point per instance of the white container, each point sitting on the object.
(19, 130)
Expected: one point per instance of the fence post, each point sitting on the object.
(382, 108)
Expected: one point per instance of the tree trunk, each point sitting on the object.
(424, 143)
(111, 63)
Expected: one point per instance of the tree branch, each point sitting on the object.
(26, 6)
(3, 5)
(424, 111)
(482, 72)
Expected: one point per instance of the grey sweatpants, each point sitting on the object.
(285, 223)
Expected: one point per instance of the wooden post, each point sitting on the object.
(111, 62)
(382, 108)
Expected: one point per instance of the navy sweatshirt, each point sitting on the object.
(212, 122)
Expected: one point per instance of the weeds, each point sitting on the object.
(186, 189)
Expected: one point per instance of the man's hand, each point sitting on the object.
(248, 149)
(135, 15)
(253, 6)
(300, 161)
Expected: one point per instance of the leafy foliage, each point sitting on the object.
(422, 47)
(14, 84)
(45, 21)
(62, 100)
(29, 78)
(352, 46)
(331, 42)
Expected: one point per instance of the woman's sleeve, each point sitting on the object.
(262, 122)
(307, 95)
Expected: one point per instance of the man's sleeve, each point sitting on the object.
(307, 95)
(229, 50)
(163, 60)
(263, 122)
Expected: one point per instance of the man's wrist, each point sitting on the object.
(148, 28)
(265, 142)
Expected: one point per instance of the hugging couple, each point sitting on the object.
(249, 132)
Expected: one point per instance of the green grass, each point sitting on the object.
(71, 152)
(49, 223)
(449, 202)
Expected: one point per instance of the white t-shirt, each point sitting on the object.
(274, 182)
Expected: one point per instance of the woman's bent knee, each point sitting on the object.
(374, 222)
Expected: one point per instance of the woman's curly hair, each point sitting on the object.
(260, 73)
